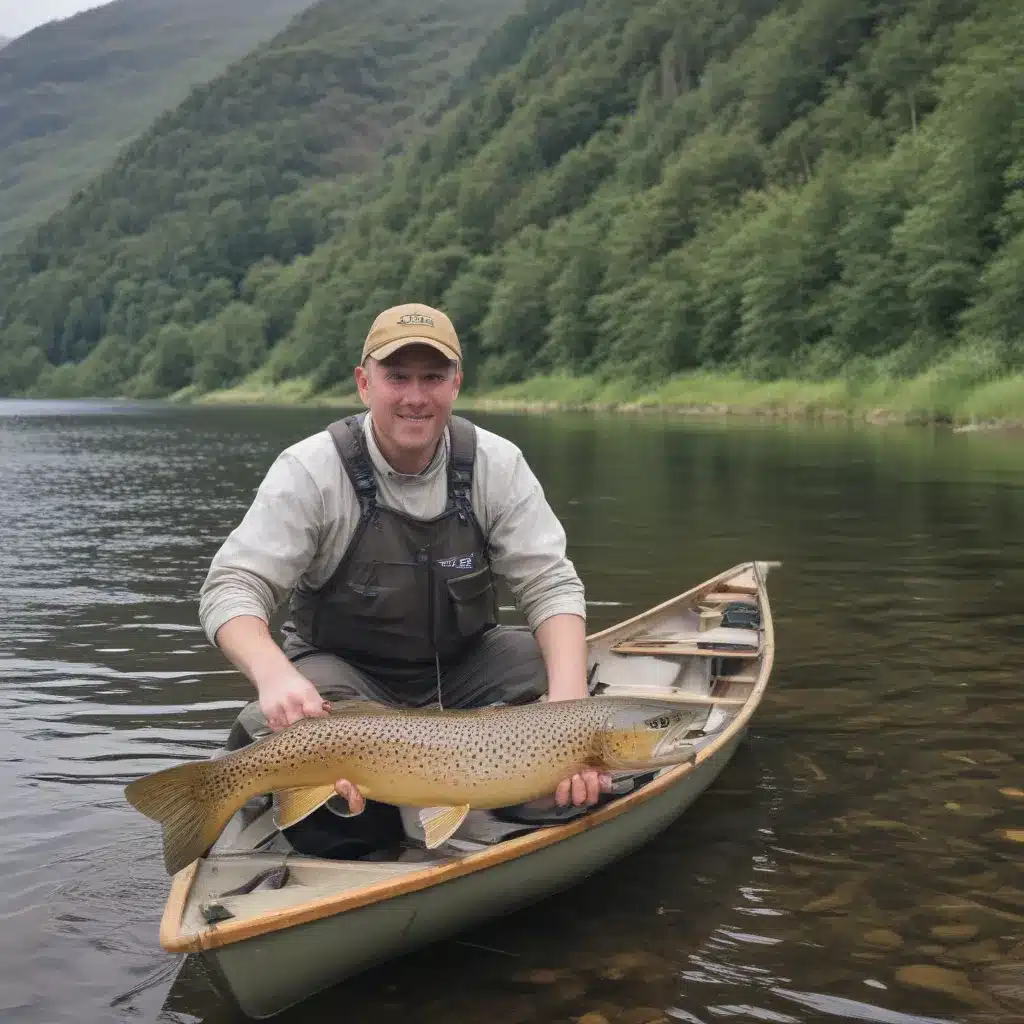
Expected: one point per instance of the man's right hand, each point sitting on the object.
(356, 801)
(285, 700)
(285, 694)
(288, 697)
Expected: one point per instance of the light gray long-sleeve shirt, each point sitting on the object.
(306, 511)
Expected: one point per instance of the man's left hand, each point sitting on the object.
(583, 789)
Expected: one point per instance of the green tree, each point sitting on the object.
(228, 347)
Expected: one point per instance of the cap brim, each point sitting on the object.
(393, 346)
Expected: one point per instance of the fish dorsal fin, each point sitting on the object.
(358, 707)
(295, 804)
(441, 823)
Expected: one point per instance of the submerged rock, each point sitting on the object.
(1006, 982)
(983, 952)
(883, 937)
(642, 1015)
(942, 979)
(841, 896)
(955, 932)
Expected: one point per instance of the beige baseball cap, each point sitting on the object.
(411, 324)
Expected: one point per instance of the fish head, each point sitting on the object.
(645, 735)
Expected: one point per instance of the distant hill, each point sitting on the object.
(3, 41)
(73, 91)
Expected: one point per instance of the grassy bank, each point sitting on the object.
(957, 392)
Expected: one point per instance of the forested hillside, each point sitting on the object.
(73, 91)
(785, 188)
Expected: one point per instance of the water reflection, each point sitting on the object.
(858, 861)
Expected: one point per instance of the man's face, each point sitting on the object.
(410, 398)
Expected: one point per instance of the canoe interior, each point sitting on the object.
(678, 651)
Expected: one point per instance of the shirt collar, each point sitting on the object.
(384, 468)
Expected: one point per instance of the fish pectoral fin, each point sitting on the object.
(295, 804)
(441, 823)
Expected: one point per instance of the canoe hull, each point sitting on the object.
(271, 972)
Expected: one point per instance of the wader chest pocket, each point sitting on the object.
(473, 600)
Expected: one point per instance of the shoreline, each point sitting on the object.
(696, 398)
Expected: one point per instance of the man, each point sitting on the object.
(388, 531)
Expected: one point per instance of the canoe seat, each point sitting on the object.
(722, 641)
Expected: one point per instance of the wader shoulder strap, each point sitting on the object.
(347, 435)
(461, 461)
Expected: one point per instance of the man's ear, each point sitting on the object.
(362, 377)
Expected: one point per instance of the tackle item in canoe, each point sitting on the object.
(448, 762)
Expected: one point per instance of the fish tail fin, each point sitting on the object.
(180, 800)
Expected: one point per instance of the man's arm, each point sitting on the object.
(563, 643)
(528, 548)
(251, 573)
(285, 694)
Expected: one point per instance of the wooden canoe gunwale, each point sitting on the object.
(174, 939)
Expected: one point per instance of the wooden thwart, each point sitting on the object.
(745, 581)
(727, 597)
(682, 697)
(682, 647)
(701, 698)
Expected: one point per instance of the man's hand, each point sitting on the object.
(563, 645)
(583, 789)
(356, 801)
(288, 697)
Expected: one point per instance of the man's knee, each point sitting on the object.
(250, 725)
(335, 679)
(516, 664)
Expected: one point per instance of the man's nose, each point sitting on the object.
(416, 392)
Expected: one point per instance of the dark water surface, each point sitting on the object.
(859, 860)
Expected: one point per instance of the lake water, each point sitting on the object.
(859, 860)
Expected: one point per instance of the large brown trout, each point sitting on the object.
(449, 761)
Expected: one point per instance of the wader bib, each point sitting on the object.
(410, 596)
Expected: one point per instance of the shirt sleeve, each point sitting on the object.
(527, 548)
(267, 553)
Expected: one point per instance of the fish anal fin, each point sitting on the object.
(295, 804)
(441, 823)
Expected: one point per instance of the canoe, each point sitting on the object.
(321, 921)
